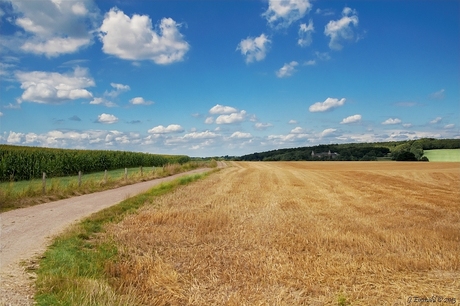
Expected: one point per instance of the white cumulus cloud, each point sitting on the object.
(120, 87)
(390, 121)
(222, 110)
(323, 56)
(328, 104)
(324, 12)
(305, 33)
(109, 95)
(117, 90)
(135, 39)
(53, 87)
(107, 118)
(287, 70)
(55, 27)
(200, 135)
(79, 9)
(436, 120)
(281, 14)
(140, 101)
(14, 137)
(71, 138)
(262, 126)
(231, 118)
(55, 46)
(449, 126)
(254, 49)
(172, 128)
(351, 119)
(281, 138)
(102, 101)
(328, 132)
(297, 130)
(341, 30)
(241, 135)
(439, 95)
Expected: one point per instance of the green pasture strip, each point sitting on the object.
(443, 155)
(20, 186)
(72, 270)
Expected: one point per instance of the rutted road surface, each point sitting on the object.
(25, 233)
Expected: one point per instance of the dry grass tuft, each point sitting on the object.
(299, 233)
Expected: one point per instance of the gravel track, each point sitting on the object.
(25, 234)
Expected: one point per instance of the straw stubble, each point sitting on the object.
(298, 233)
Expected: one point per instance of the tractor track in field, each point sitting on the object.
(25, 233)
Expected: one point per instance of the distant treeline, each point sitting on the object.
(398, 150)
(24, 163)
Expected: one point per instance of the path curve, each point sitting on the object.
(25, 233)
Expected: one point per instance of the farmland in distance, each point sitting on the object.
(296, 233)
(445, 155)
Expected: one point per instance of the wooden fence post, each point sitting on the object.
(141, 171)
(79, 178)
(105, 176)
(126, 173)
(44, 183)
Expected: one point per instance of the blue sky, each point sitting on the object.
(228, 77)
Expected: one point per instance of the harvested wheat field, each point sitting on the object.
(297, 233)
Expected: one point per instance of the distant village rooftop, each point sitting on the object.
(324, 154)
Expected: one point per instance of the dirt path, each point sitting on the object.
(25, 233)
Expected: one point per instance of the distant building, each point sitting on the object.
(329, 154)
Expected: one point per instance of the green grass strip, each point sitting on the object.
(444, 155)
(72, 270)
(21, 194)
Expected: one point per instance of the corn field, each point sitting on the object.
(24, 163)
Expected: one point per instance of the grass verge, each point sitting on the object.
(72, 270)
(15, 195)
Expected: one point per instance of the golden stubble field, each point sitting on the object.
(297, 233)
